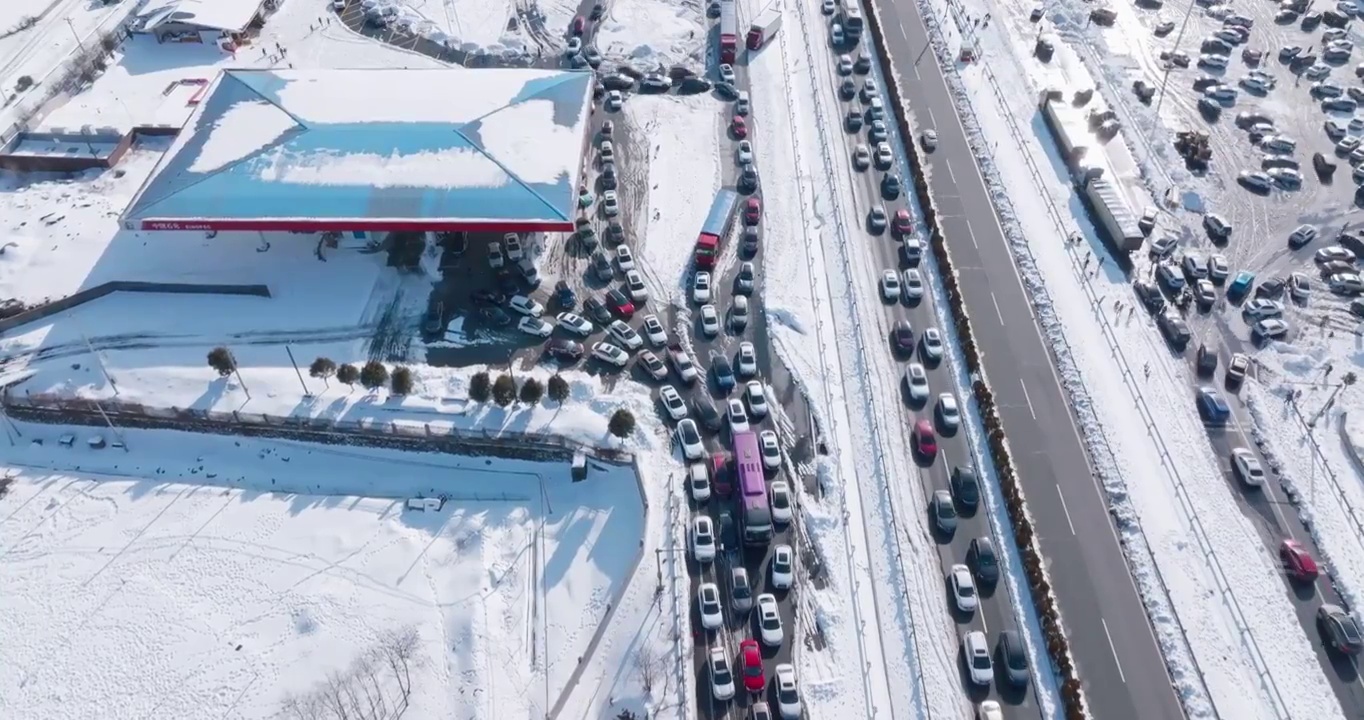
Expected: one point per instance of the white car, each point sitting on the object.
(1271, 329)
(625, 260)
(913, 285)
(512, 243)
(845, 65)
(931, 345)
(1255, 180)
(963, 588)
(727, 73)
(672, 402)
(710, 321)
(788, 692)
(1334, 253)
(1247, 467)
(740, 590)
(575, 323)
(698, 481)
(700, 288)
(608, 151)
(634, 282)
(526, 306)
(653, 330)
(495, 257)
(917, 380)
(782, 511)
(737, 416)
(990, 710)
(884, 157)
(744, 155)
(861, 158)
(930, 140)
(625, 335)
(748, 360)
(703, 539)
(690, 440)
(976, 652)
(721, 676)
(535, 327)
(757, 399)
(771, 449)
(1346, 283)
(890, 285)
(948, 412)
(828, 7)
(708, 604)
(1218, 267)
(783, 567)
(1263, 309)
(610, 354)
(769, 620)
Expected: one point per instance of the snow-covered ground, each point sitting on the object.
(197, 576)
(675, 31)
(1156, 466)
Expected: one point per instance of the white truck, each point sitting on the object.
(764, 27)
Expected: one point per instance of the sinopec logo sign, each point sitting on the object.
(175, 225)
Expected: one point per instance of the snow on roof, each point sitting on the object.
(441, 145)
(229, 15)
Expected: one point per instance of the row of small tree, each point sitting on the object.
(503, 391)
(372, 375)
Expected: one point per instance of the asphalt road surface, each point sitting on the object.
(1114, 647)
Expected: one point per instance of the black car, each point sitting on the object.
(608, 176)
(1176, 331)
(564, 295)
(726, 91)
(705, 412)
(487, 297)
(494, 316)
(890, 186)
(618, 82)
(693, 86)
(1149, 295)
(748, 179)
(1339, 630)
(506, 282)
(853, 122)
(983, 560)
(965, 488)
(847, 90)
(723, 374)
(615, 234)
(564, 349)
(597, 11)
(597, 311)
(1270, 288)
(902, 336)
(602, 267)
(1014, 657)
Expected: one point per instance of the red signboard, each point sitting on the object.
(357, 224)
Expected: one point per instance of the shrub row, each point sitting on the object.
(1058, 646)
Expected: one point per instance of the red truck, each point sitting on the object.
(716, 227)
(765, 27)
(729, 32)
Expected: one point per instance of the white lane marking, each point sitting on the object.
(983, 626)
(998, 314)
(1116, 661)
(931, 118)
(1066, 510)
(1027, 396)
(972, 233)
(948, 164)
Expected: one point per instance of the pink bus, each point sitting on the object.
(754, 513)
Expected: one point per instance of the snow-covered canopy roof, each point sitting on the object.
(228, 15)
(376, 149)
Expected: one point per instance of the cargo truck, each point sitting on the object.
(716, 227)
(765, 27)
(729, 32)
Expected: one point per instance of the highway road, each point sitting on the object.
(869, 255)
(1113, 644)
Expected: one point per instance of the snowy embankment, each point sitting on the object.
(1212, 640)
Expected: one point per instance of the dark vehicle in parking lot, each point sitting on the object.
(890, 186)
(1206, 363)
(1174, 328)
(564, 349)
(1212, 406)
(983, 560)
(965, 488)
(726, 91)
(1271, 288)
(853, 122)
(618, 82)
(597, 311)
(1149, 295)
(1014, 657)
(902, 337)
(723, 374)
(693, 86)
(1339, 630)
(705, 412)
(487, 297)
(494, 316)
(564, 295)
(602, 267)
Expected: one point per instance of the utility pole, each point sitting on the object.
(74, 34)
(1165, 79)
(99, 360)
(292, 361)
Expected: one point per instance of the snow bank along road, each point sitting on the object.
(1120, 662)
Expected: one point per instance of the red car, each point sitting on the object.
(1297, 562)
(902, 225)
(621, 305)
(579, 24)
(752, 661)
(753, 211)
(924, 439)
(740, 127)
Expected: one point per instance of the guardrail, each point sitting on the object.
(1082, 403)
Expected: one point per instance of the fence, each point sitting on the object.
(393, 434)
(99, 291)
(1078, 394)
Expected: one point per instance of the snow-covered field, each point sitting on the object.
(204, 576)
(1143, 429)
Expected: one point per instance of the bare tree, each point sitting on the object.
(649, 664)
(359, 692)
(368, 669)
(399, 649)
(335, 695)
(304, 707)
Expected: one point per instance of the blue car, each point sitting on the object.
(1240, 285)
(564, 296)
(1212, 406)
